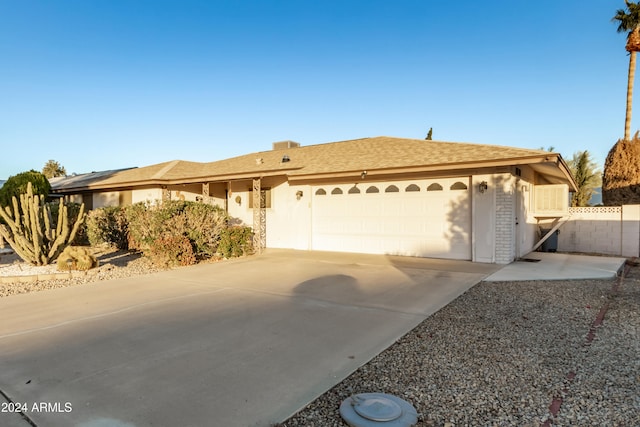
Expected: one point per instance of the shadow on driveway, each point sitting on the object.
(241, 343)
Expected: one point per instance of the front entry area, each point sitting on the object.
(425, 218)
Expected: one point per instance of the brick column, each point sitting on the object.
(505, 220)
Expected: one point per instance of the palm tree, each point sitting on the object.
(586, 174)
(53, 169)
(629, 22)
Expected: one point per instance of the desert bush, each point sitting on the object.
(236, 241)
(204, 225)
(152, 228)
(76, 258)
(107, 225)
(171, 233)
(147, 222)
(171, 250)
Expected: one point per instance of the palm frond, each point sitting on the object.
(628, 19)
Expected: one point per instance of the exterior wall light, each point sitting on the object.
(299, 194)
(483, 186)
(238, 200)
(363, 175)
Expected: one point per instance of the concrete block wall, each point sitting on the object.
(630, 230)
(607, 230)
(505, 219)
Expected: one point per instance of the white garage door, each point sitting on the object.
(427, 218)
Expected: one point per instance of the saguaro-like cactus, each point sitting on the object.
(29, 230)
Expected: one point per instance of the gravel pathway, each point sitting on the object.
(512, 354)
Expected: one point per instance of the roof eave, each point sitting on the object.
(547, 158)
(150, 182)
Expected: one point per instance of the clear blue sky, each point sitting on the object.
(104, 84)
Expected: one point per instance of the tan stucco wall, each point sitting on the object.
(238, 203)
(150, 194)
(106, 198)
(290, 225)
(288, 219)
(483, 225)
(187, 192)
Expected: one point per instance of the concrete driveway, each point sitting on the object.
(244, 342)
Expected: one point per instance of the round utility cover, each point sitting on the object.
(377, 409)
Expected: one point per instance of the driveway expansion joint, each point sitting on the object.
(22, 413)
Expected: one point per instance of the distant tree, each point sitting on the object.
(17, 185)
(52, 169)
(621, 177)
(550, 149)
(587, 176)
(429, 135)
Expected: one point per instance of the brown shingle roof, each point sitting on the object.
(371, 154)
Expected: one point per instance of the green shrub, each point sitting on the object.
(236, 241)
(17, 184)
(107, 225)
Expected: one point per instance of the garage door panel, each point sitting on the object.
(421, 223)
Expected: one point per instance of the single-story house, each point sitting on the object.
(379, 195)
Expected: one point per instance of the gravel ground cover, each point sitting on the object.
(504, 352)
(113, 264)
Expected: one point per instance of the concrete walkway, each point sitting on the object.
(244, 343)
(559, 266)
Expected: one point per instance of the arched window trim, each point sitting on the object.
(434, 187)
(321, 192)
(392, 189)
(337, 190)
(458, 186)
(372, 190)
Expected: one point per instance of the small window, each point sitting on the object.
(391, 189)
(354, 190)
(321, 192)
(373, 189)
(336, 191)
(412, 187)
(458, 186)
(434, 187)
